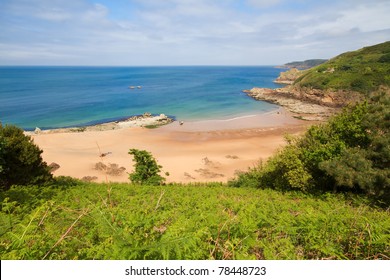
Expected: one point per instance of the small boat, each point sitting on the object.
(139, 87)
(131, 87)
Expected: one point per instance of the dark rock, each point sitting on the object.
(54, 166)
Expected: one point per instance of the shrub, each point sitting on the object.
(384, 58)
(286, 171)
(2, 153)
(248, 179)
(146, 168)
(349, 153)
(20, 159)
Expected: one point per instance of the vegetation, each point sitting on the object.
(84, 221)
(363, 71)
(146, 169)
(349, 153)
(20, 159)
(305, 64)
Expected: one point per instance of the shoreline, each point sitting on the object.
(297, 104)
(268, 119)
(202, 151)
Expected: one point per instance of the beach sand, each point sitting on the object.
(200, 151)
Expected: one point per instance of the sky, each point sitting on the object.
(186, 32)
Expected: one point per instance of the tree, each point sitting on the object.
(20, 159)
(146, 169)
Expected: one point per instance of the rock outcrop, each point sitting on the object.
(146, 120)
(309, 104)
(53, 166)
(288, 77)
(306, 103)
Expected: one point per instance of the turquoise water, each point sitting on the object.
(52, 97)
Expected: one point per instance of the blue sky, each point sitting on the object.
(186, 32)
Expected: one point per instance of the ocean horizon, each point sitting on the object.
(69, 96)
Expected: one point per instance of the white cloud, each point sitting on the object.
(263, 3)
(360, 18)
(185, 31)
(96, 13)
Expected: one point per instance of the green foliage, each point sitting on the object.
(2, 153)
(365, 163)
(349, 153)
(305, 64)
(385, 58)
(146, 169)
(350, 169)
(20, 159)
(121, 221)
(286, 171)
(362, 71)
(248, 179)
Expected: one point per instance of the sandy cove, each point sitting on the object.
(201, 151)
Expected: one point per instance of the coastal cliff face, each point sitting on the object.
(299, 103)
(317, 93)
(307, 103)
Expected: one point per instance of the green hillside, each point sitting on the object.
(363, 71)
(305, 64)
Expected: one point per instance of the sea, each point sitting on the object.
(57, 97)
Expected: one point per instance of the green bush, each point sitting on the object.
(349, 153)
(146, 169)
(20, 159)
(385, 58)
(2, 153)
(286, 171)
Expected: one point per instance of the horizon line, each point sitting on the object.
(173, 65)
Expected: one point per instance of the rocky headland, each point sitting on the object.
(319, 91)
(301, 65)
(305, 103)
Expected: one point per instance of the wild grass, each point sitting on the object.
(201, 221)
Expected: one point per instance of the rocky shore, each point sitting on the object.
(300, 108)
(146, 120)
(304, 103)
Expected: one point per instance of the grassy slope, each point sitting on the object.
(121, 221)
(363, 70)
(305, 64)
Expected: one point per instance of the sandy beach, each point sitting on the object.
(201, 151)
